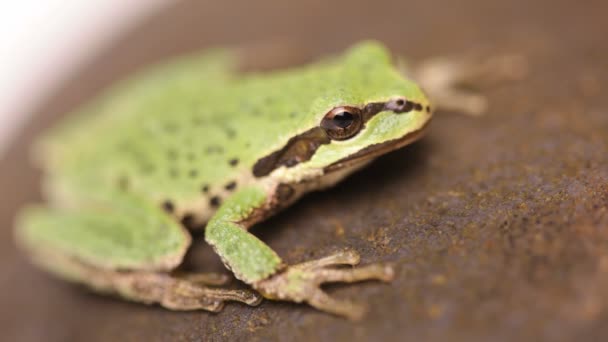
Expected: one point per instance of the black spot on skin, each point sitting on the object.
(417, 106)
(168, 206)
(428, 109)
(233, 162)
(205, 188)
(172, 154)
(123, 183)
(284, 192)
(215, 201)
(230, 186)
(188, 221)
(230, 133)
(193, 173)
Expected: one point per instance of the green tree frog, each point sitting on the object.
(193, 143)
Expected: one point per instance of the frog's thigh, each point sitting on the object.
(124, 234)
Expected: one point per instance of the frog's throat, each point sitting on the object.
(376, 150)
(302, 147)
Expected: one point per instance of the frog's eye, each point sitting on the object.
(342, 122)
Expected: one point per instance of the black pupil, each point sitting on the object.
(343, 119)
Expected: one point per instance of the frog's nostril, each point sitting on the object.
(400, 105)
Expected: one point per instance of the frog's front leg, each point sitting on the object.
(445, 79)
(255, 263)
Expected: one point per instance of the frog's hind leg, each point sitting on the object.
(445, 79)
(125, 247)
(180, 292)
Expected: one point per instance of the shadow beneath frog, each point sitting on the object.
(403, 165)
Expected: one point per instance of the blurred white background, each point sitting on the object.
(43, 41)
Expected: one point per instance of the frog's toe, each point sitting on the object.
(211, 279)
(185, 295)
(301, 283)
(345, 257)
(322, 301)
(244, 296)
(382, 272)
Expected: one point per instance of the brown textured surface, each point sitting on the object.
(499, 225)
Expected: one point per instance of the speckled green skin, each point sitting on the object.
(175, 136)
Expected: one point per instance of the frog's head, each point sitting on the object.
(365, 108)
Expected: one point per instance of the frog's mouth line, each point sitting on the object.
(377, 150)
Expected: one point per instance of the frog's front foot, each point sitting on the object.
(301, 282)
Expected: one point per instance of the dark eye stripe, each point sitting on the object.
(302, 147)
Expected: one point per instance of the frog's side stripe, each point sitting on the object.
(302, 147)
(298, 149)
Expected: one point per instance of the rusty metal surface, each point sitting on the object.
(498, 225)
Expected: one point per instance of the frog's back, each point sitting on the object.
(188, 133)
